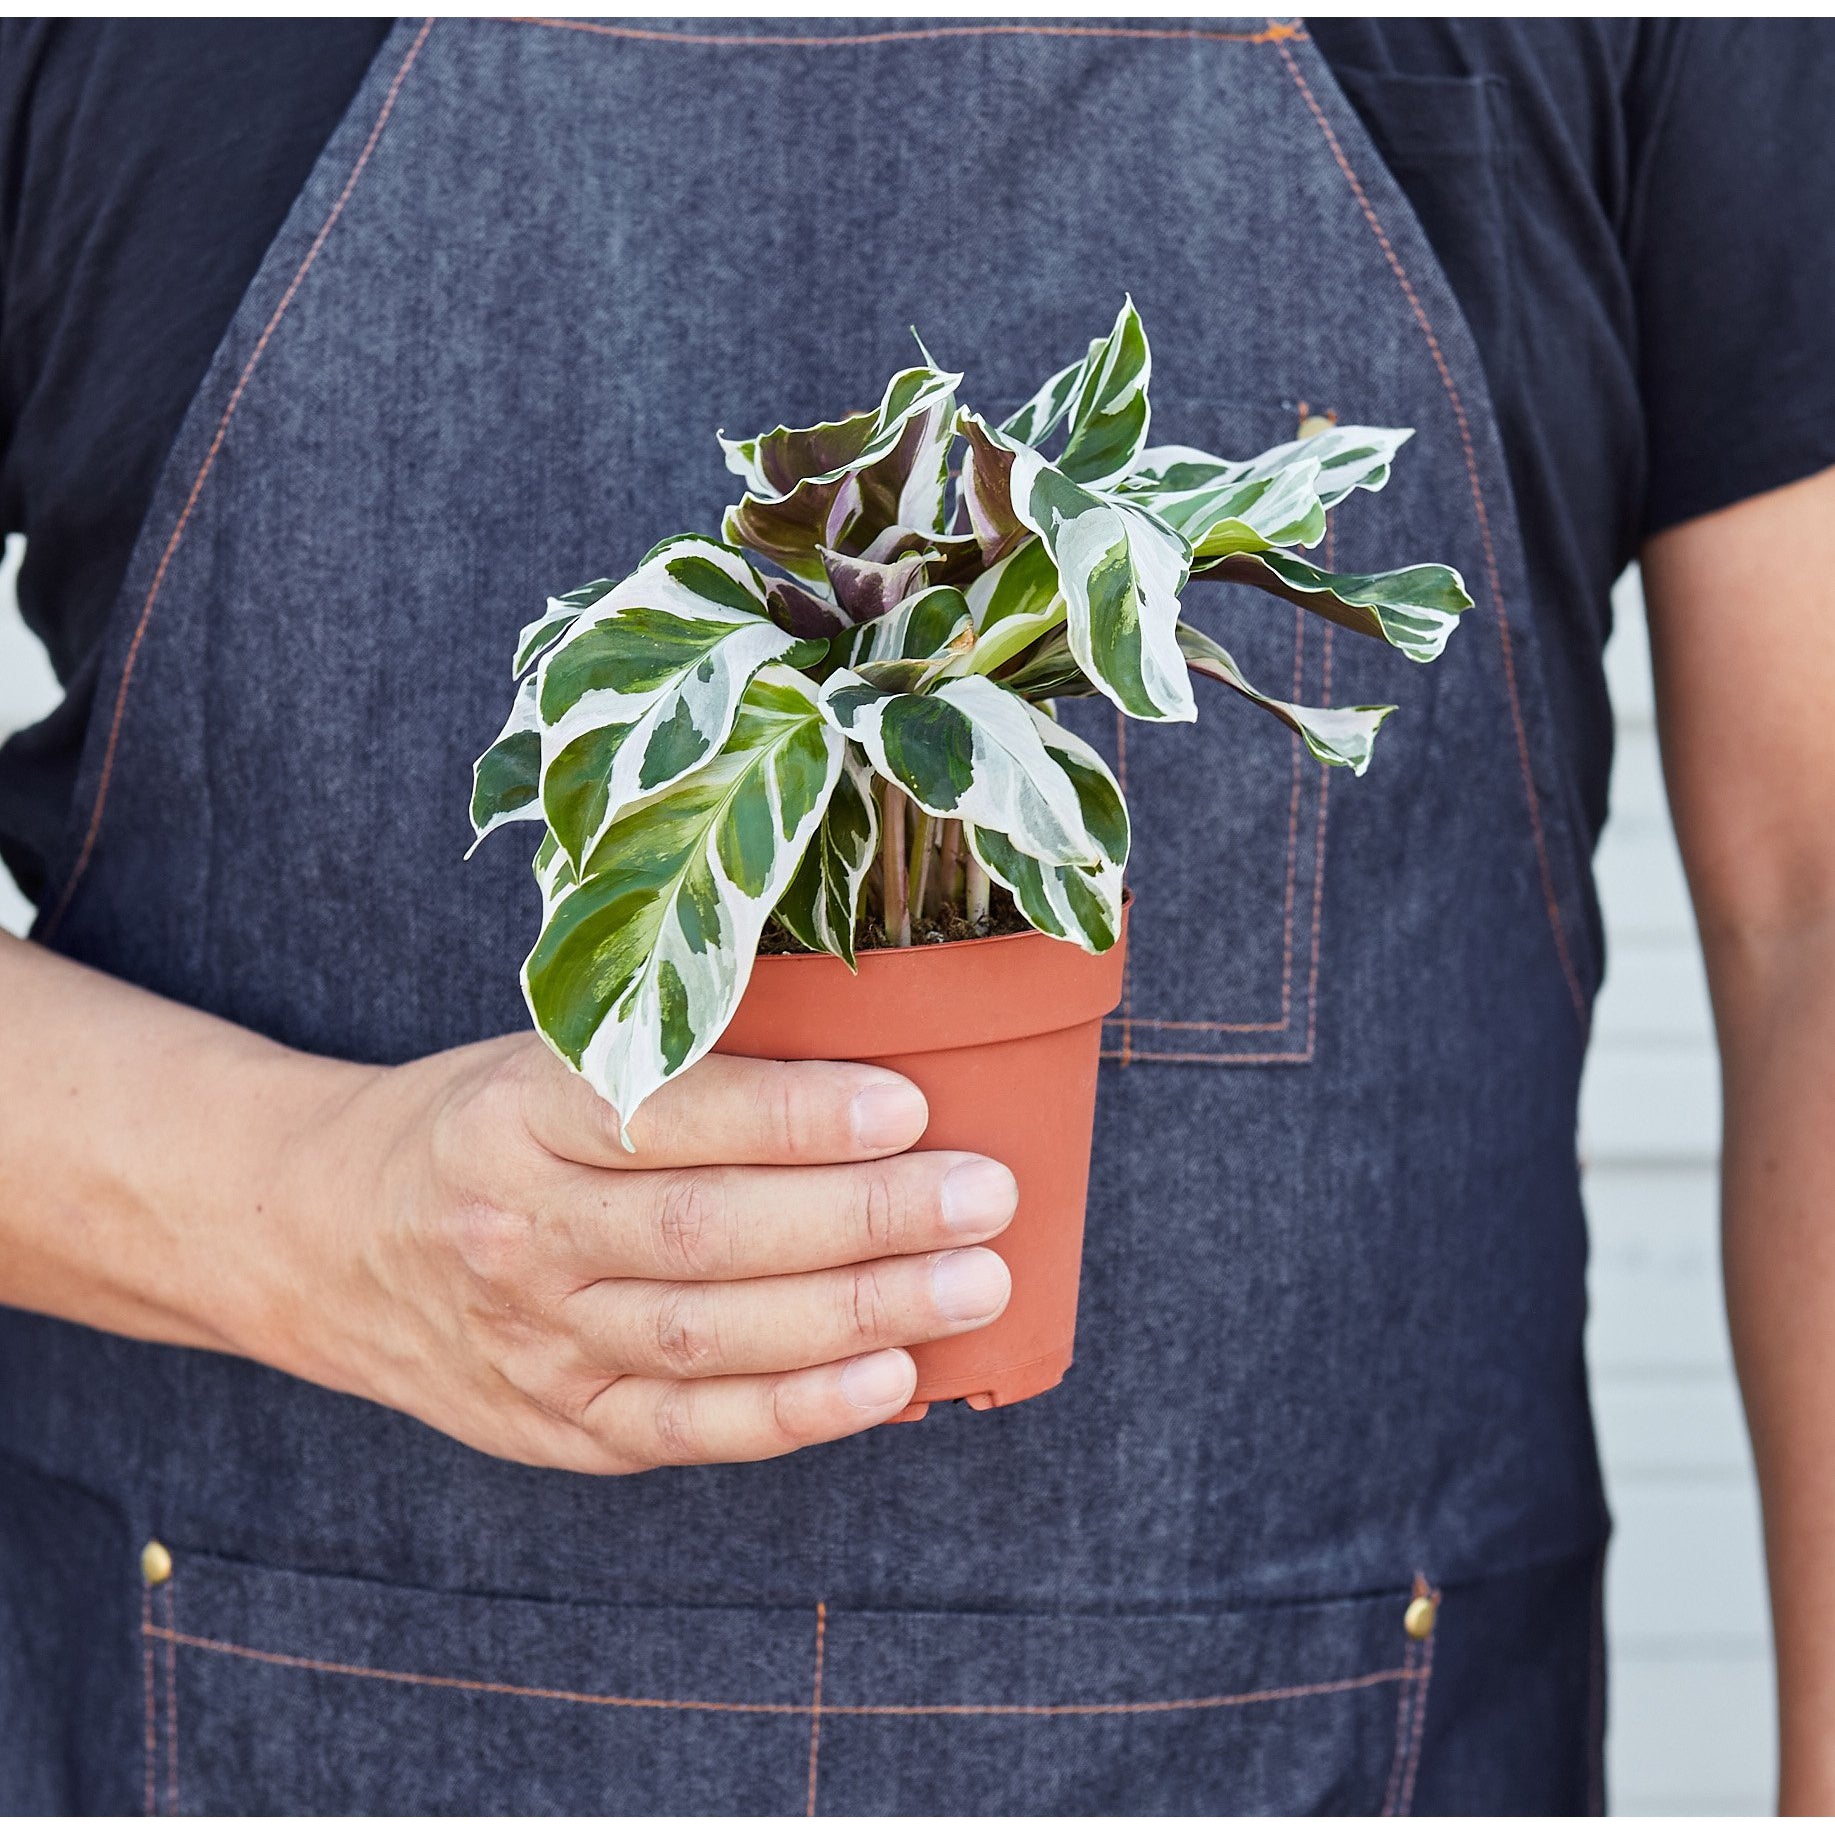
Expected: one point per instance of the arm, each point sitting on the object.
(1742, 617)
(464, 1239)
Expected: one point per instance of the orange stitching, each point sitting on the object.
(1293, 824)
(1190, 1705)
(471, 1685)
(1493, 579)
(1127, 961)
(362, 1673)
(1128, 1019)
(152, 1723)
(815, 1707)
(1406, 1805)
(1137, 1056)
(1319, 836)
(171, 1592)
(1276, 32)
(204, 471)
(1398, 1761)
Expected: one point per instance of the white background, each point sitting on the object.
(1691, 1692)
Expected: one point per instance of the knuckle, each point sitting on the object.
(492, 1241)
(869, 1316)
(509, 1095)
(673, 1428)
(882, 1209)
(684, 1333)
(785, 1429)
(691, 1224)
(786, 1121)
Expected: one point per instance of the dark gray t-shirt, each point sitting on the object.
(1638, 217)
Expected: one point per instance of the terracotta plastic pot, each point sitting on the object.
(1002, 1034)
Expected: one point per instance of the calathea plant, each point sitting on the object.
(840, 714)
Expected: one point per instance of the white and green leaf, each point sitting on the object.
(1333, 735)
(1226, 511)
(1278, 499)
(641, 963)
(506, 779)
(1413, 609)
(1348, 459)
(1014, 604)
(821, 905)
(1103, 398)
(645, 687)
(543, 633)
(917, 642)
(1078, 902)
(1121, 572)
(967, 749)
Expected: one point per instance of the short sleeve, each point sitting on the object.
(1730, 240)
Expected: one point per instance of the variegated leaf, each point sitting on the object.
(1034, 424)
(1333, 735)
(1014, 604)
(985, 491)
(1348, 459)
(802, 611)
(506, 780)
(1278, 499)
(553, 871)
(821, 906)
(1103, 397)
(544, 632)
(641, 964)
(967, 749)
(1046, 671)
(1121, 572)
(866, 590)
(1412, 608)
(915, 643)
(839, 485)
(1109, 417)
(1228, 512)
(644, 689)
(1079, 903)
(956, 559)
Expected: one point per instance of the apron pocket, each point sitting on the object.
(1229, 848)
(274, 1692)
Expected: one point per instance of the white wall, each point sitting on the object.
(28, 690)
(1691, 1693)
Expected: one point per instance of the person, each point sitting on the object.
(376, 1432)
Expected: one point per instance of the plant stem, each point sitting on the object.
(949, 863)
(975, 896)
(894, 893)
(923, 831)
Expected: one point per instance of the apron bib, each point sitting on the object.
(1330, 1337)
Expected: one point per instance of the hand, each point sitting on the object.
(489, 1258)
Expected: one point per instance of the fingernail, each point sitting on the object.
(877, 1380)
(978, 1195)
(968, 1283)
(889, 1113)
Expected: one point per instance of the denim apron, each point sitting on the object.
(1314, 1522)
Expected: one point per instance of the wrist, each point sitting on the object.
(285, 1209)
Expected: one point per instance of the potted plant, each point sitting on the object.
(831, 733)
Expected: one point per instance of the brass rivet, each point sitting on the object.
(1418, 1620)
(156, 1564)
(1313, 423)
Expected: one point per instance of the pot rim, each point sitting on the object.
(927, 997)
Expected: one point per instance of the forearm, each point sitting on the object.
(1775, 1001)
(140, 1143)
